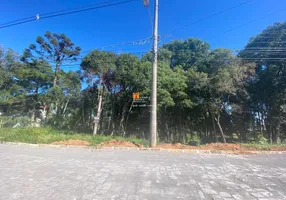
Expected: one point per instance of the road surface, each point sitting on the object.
(75, 174)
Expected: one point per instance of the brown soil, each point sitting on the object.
(282, 148)
(235, 148)
(241, 153)
(221, 146)
(211, 146)
(72, 142)
(118, 143)
(176, 146)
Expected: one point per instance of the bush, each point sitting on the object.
(196, 141)
(9, 122)
(261, 139)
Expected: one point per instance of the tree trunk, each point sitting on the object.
(220, 129)
(214, 128)
(167, 132)
(127, 118)
(97, 118)
(269, 130)
(276, 134)
(121, 124)
(192, 133)
(261, 124)
(172, 136)
(65, 108)
(180, 139)
(109, 122)
(56, 75)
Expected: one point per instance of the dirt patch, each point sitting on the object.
(221, 146)
(230, 148)
(118, 143)
(175, 146)
(241, 153)
(282, 148)
(72, 142)
(211, 146)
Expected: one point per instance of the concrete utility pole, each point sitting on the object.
(153, 125)
(153, 121)
(153, 128)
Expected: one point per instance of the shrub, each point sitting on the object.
(15, 122)
(196, 141)
(261, 139)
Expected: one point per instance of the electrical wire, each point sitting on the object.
(213, 15)
(151, 21)
(136, 42)
(59, 11)
(67, 13)
(237, 27)
(265, 58)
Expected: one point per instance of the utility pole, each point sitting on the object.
(153, 121)
(153, 127)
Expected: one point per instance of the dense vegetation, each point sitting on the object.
(204, 94)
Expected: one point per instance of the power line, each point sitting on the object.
(262, 58)
(80, 58)
(232, 29)
(66, 13)
(136, 42)
(213, 15)
(59, 11)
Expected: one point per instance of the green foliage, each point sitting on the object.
(211, 92)
(35, 76)
(49, 135)
(260, 139)
(8, 122)
(98, 63)
(195, 141)
(267, 89)
(55, 48)
(188, 53)
(9, 65)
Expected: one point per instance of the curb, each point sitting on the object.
(190, 151)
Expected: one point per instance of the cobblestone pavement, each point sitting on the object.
(73, 174)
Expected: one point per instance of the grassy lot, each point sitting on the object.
(49, 135)
(262, 146)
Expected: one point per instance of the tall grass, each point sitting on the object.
(49, 135)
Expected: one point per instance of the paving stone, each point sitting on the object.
(43, 173)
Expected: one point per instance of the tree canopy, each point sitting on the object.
(204, 94)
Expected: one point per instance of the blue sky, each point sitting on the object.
(128, 22)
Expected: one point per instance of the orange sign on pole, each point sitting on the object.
(136, 95)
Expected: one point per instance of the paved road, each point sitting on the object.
(73, 174)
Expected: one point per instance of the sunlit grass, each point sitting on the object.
(49, 135)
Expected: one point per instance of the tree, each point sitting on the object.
(54, 48)
(35, 77)
(216, 83)
(173, 100)
(99, 66)
(9, 66)
(267, 90)
(187, 53)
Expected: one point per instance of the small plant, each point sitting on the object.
(261, 140)
(195, 141)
